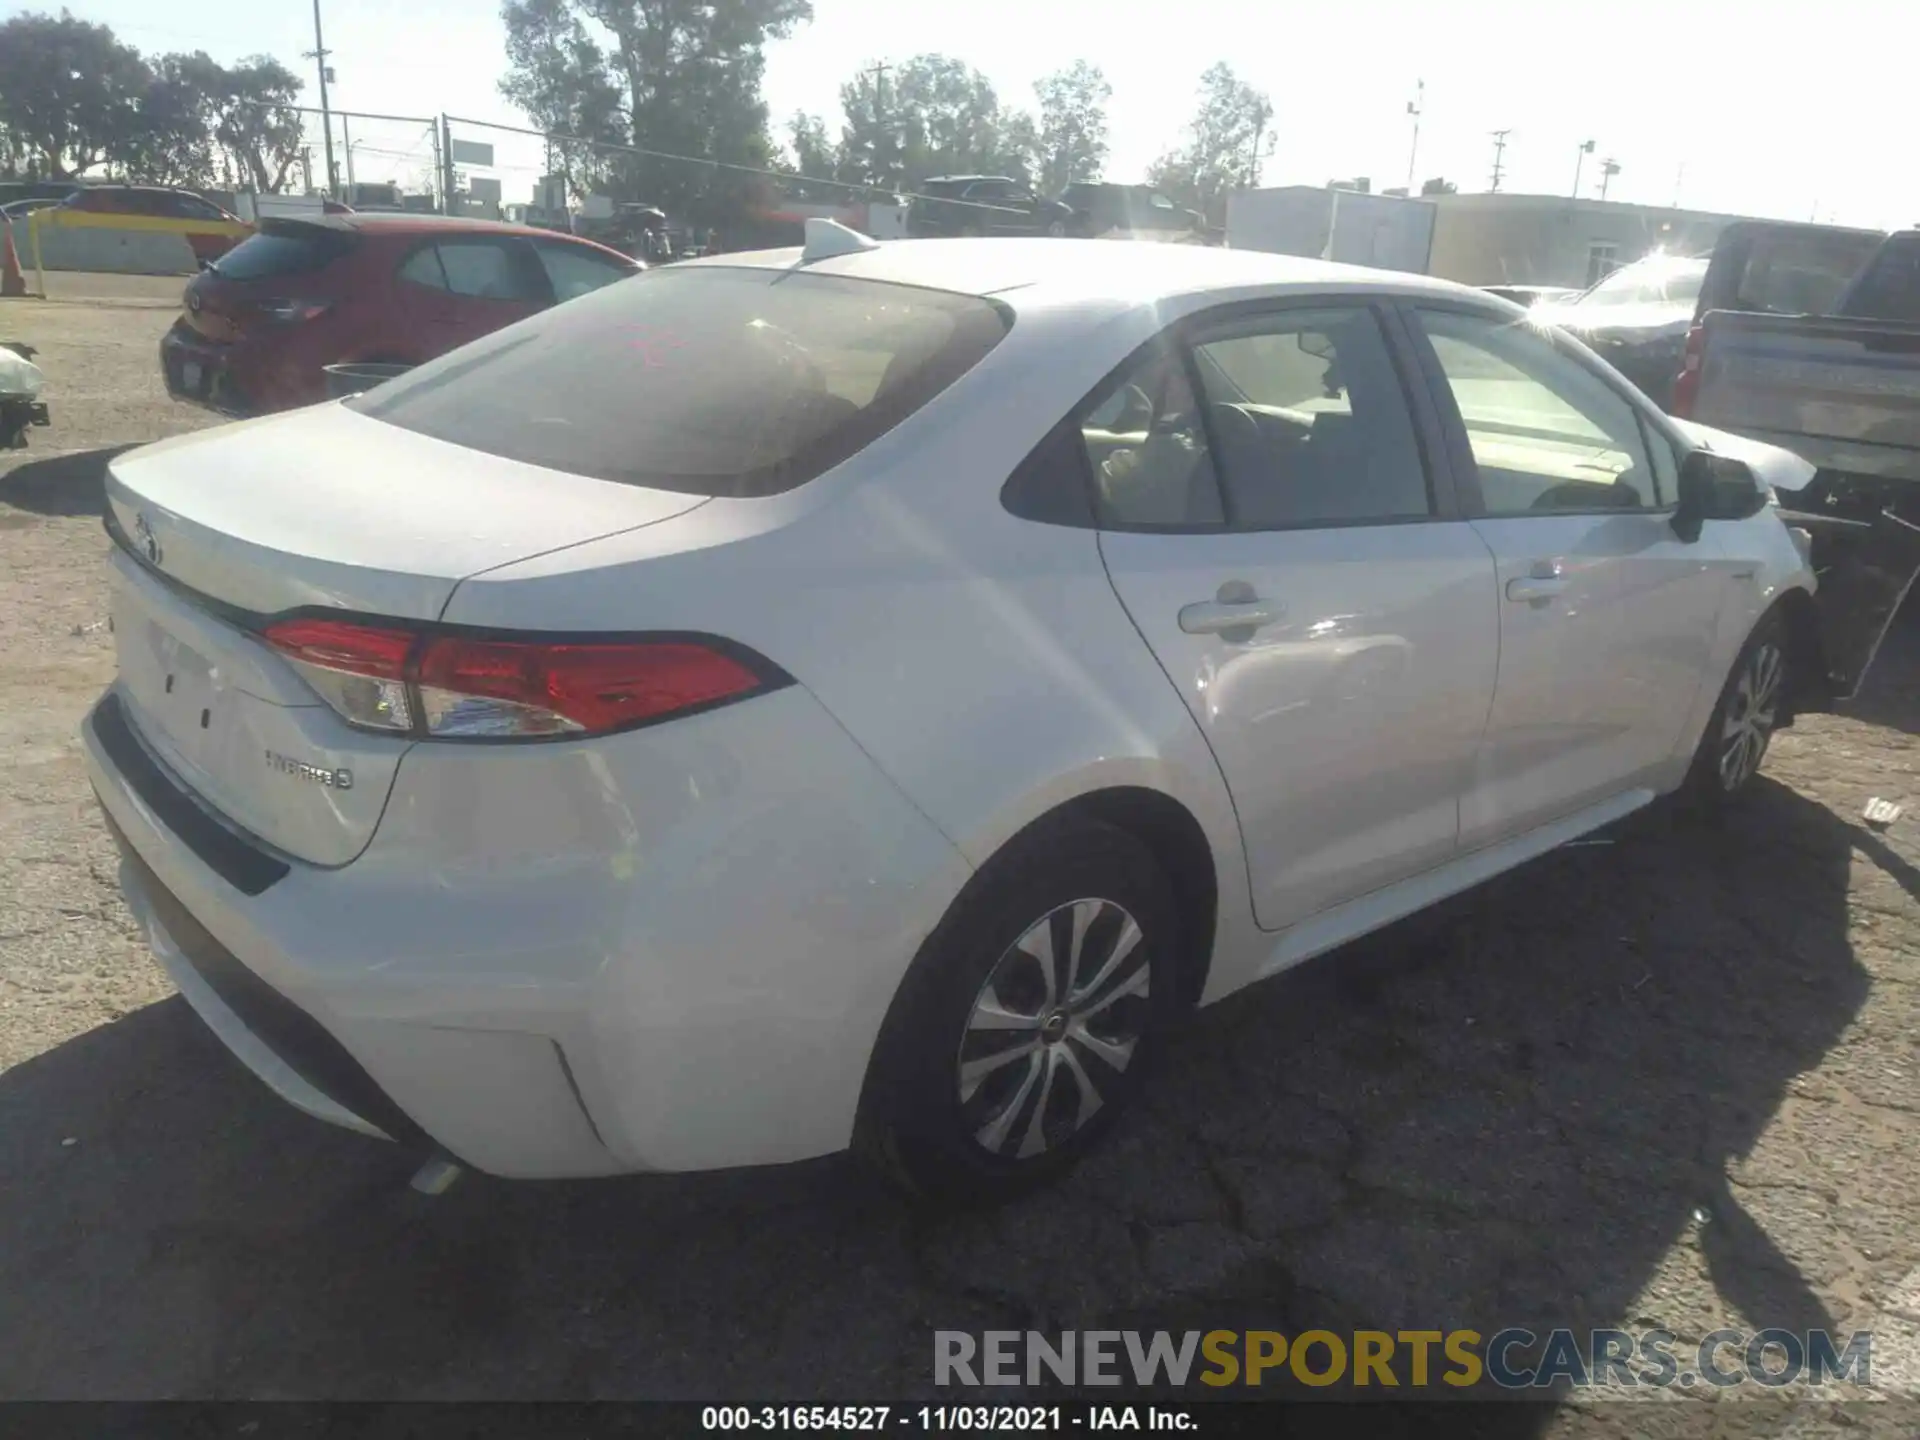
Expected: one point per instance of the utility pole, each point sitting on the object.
(346, 140)
(1608, 169)
(326, 117)
(879, 72)
(1414, 107)
(1262, 116)
(1499, 148)
(1679, 176)
(1579, 159)
(446, 167)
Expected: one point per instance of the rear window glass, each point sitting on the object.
(1800, 274)
(1889, 289)
(282, 252)
(711, 381)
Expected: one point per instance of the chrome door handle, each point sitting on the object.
(1215, 617)
(1536, 589)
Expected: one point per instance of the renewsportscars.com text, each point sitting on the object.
(1511, 1359)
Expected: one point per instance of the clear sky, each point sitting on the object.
(1787, 109)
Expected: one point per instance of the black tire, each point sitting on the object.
(916, 1126)
(1057, 229)
(1718, 778)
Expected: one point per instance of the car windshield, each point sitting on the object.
(1658, 281)
(710, 380)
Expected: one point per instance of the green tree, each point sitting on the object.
(1227, 144)
(813, 153)
(931, 115)
(1072, 139)
(686, 74)
(69, 93)
(168, 140)
(560, 77)
(250, 113)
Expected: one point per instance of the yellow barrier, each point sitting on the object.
(60, 218)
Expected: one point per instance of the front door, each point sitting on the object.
(1607, 618)
(1268, 521)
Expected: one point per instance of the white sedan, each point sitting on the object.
(861, 695)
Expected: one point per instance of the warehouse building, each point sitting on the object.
(1502, 239)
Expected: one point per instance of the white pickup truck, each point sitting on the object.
(1842, 391)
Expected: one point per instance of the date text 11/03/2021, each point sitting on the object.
(939, 1419)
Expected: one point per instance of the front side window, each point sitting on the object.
(708, 380)
(1547, 433)
(1310, 422)
(1146, 445)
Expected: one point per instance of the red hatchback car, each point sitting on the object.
(262, 321)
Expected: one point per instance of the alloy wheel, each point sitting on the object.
(1752, 710)
(1056, 1023)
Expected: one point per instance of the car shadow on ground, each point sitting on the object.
(71, 484)
(1534, 1106)
(1522, 1110)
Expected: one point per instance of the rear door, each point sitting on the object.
(462, 287)
(1607, 619)
(1271, 522)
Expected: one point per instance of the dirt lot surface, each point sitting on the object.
(1667, 1080)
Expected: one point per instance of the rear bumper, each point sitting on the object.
(257, 375)
(512, 973)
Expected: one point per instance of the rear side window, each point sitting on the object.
(297, 250)
(484, 269)
(705, 380)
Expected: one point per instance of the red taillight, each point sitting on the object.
(1686, 385)
(457, 686)
(339, 645)
(533, 688)
(292, 312)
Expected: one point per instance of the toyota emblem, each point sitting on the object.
(193, 299)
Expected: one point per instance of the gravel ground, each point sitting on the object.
(1667, 1080)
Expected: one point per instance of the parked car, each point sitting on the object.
(1637, 319)
(983, 205)
(1100, 208)
(161, 202)
(1842, 391)
(1533, 294)
(20, 209)
(260, 324)
(861, 694)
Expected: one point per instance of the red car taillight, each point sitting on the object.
(292, 312)
(455, 686)
(1686, 385)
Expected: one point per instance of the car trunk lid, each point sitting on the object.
(317, 509)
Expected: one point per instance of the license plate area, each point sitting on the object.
(176, 691)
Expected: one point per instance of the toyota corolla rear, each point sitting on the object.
(525, 890)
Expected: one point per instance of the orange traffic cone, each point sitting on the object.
(12, 283)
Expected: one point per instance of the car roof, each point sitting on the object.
(409, 222)
(1041, 271)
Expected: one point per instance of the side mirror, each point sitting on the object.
(1715, 487)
